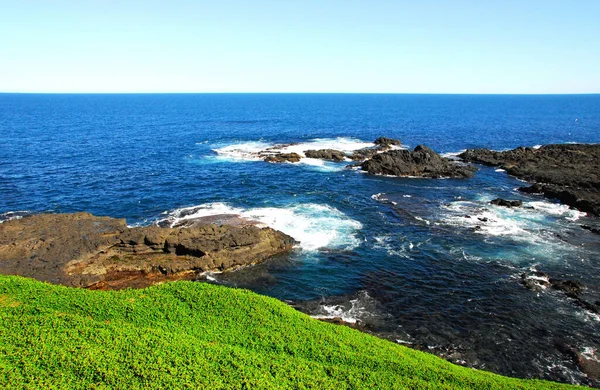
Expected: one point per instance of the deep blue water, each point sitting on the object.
(396, 254)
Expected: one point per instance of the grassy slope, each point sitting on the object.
(195, 335)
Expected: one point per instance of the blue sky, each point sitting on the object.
(494, 46)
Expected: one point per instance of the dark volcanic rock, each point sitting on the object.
(571, 288)
(283, 157)
(421, 162)
(506, 203)
(99, 252)
(569, 173)
(385, 141)
(326, 154)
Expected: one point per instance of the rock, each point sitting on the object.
(506, 203)
(535, 280)
(83, 250)
(326, 154)
(589, 364)
(385, 141)
(569, 173)
(366, 153)
(421, 162)
(381, 145)
(283, 157)
(571, 288)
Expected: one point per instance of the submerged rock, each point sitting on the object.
(421, 162)
(326, 154)
(569, 173)
(506, 203)
(84, 250)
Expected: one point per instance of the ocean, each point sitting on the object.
(396, 255)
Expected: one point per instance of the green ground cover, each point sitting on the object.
(195, 335)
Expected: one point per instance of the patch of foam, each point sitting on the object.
(483, 220)
(500, 170)
(386, 242)
(357, 310)
(536, 146)
(314, 225)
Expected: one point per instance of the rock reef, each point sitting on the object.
(569, 173)
(421, 162)
(84, 250)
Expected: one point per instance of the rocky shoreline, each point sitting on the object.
(569, 173)
(83, 250)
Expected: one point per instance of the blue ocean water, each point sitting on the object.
(396, 254)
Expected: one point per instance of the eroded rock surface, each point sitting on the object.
(569, 173)
(421, 162)
(84, 250)
(326, 154)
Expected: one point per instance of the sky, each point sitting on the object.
(426, 46)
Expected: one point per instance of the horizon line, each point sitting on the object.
(302, 93)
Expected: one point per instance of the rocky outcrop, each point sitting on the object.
(421, 162)
(569, 173)
(506, 203)
(84, 250)
(382, 144)
(283, 157)
(326, 154)
(388, 142)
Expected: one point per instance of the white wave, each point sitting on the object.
(500, 170)
(453, 155)
(536, 146)
(315, 226)
(321, 165)
(533, 226)
(342, 144)
(252, 150)
(243, 151)
(557, 209)
(10, 215)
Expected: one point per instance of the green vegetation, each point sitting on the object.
(195, 335)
